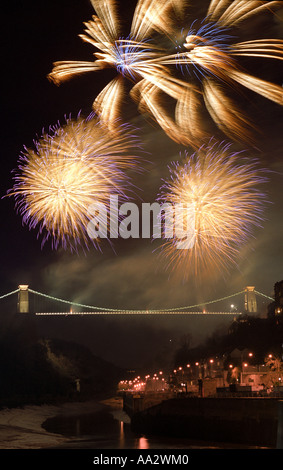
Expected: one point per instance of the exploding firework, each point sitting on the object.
(71, 169)
(134, 56)
(219, 203)
(207, 59)
(206, 53)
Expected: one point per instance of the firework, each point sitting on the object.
(70, 169)
(208, 56)
(206, 53)
(219, 204)
(133, 56)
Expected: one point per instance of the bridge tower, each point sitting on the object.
(250, 300)
(23, 299)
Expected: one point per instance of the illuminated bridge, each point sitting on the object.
(39, 304)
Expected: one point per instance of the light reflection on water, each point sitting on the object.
(110, 428)
(107, 429)
(143, 443)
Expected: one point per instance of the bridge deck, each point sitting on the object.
(137, 312)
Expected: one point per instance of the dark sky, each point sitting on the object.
(34, 35)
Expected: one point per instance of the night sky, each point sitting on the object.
(34, 35)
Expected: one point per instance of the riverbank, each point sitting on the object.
(21, 428)
(100, 424)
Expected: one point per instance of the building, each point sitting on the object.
(275, 308)
(278, 297)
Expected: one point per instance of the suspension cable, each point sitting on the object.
(76, 304)
(9, 293)
(264, 295)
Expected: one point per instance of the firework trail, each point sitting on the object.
(218, 193)
(134, 56)
(198, 69)
(70, 169)
(207, 54)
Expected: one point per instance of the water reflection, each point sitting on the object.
(78, 427)
(111, 429)
(122, 434)
(143, 443)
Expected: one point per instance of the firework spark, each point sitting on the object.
(71, 168)
(222, 197)
(205, 52)
(134, 56)
(209, 57)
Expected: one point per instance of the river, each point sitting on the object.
(110, 428)
(82, 425)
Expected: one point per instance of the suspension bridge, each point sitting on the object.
(30, 301)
